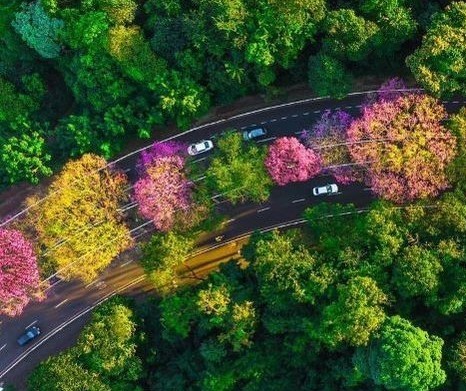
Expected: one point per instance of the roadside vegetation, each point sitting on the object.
(368, 299)
(85, 77)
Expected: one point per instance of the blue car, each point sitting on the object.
(29, 335)
(254, 133)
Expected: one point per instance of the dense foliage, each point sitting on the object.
(237, 171)
(103, 359)
(405, 146)
(84, 76)
(77, 224)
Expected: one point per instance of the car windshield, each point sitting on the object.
(329, 188)
(206, 144)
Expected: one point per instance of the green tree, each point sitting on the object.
(38, 29)
(416, 271)
(24, 157)
(237, 170)
(14, 104)
(107, 346)
(328, 76)
(356, 314)
(395, 21)
(438, 64)
(162, 257)
(63, 373)
(285, 270)
(348, 36)
(403, 357)
(457, 169)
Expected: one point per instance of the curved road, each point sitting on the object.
(68, 306)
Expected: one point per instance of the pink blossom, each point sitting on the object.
(290, 161)
(19, 275)
(163, 191)
(410, 150)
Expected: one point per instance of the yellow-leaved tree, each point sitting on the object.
(78, 226)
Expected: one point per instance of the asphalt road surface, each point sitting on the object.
(67, 308)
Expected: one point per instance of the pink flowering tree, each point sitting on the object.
(328, 137)
(407, 146)
(290, 161)
(19, 275)
(164, 191)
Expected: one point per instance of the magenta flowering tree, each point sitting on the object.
(328, 137)
(407, 146)
(164, 191)
(288, 160)
(387, 92)
(160, 150)
(19, 275)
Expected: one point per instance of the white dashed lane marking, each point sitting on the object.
(296, 201)
(32, 324)
(61, 303)
(263, 209)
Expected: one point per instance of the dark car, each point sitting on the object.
(254, 133)
(29, 335)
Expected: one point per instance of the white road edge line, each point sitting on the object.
(263, 209)
(61, 303)
(3, 347)
(230, 221)
(266, 139)
(300, 200)
(32, 324)
(200, 160)
(126, 263)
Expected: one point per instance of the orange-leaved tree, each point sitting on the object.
(78, 225)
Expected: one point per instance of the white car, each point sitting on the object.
(327, 189)
(200, 147)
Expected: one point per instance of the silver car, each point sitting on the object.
(329, 189)
(200, 147)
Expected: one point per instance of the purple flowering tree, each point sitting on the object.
(19, 275)
(328, 137)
